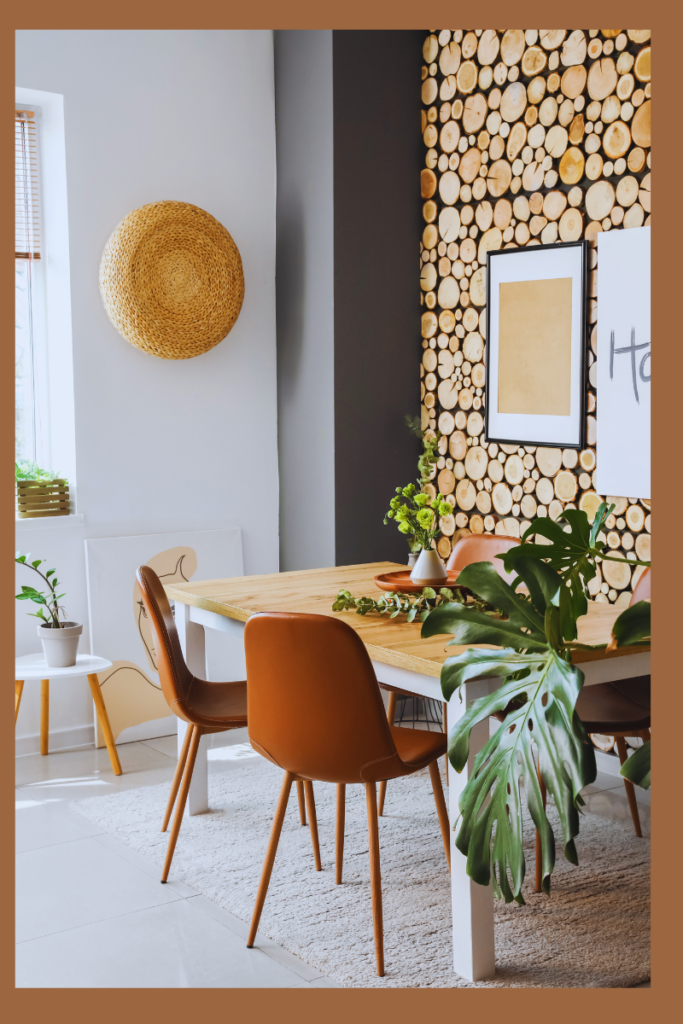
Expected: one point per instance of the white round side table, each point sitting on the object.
(34, 666)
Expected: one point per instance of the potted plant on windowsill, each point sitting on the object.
(40, 492)
(59, 638)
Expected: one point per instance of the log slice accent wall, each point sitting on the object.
(531, 136)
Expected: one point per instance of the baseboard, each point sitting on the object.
(59, 739)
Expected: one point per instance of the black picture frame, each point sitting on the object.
(580, 441)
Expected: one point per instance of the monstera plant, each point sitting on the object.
(535, 633)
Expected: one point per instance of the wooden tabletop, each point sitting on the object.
(390, 641)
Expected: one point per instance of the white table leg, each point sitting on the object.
(473, 939)
(192, 642)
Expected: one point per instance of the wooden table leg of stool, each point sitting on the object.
(44, 715)
(341, 815)
(104, 724)
(18, 690)
(630, 791)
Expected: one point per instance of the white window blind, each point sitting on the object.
(26, 187)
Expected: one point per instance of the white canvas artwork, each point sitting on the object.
(623, 410)
(121, 632)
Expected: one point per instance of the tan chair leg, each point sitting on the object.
(341, 815)
(18, 690)
(302, 800)
(104, 724)
(391, 714)
(313, 821)
(435, 776)
(44, 715)
(270, 856)
(180, 768)
(539, 862)
(630, 791)
(445, 729)
(375, 876)
(182, 800)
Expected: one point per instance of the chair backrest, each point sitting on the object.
(642, 590)
(482, 547)
(313, 702)
(174, 675)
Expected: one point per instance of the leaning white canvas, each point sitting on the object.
(623, 409)
(119, 629)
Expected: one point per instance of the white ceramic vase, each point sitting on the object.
(60, 646)
(429, 570)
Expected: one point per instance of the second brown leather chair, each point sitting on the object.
(207, 707)
(315, 710)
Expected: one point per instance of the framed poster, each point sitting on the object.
(623, 414)
(536, 338)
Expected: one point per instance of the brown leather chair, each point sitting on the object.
(315, 710)
(477, 547)
(621, 708)
(208, 707)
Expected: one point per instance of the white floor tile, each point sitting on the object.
(72, 884)
(38, 826)
(174, 946)
(86, 761)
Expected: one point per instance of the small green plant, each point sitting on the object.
(26, 470)
(417, 515)
(49, 602)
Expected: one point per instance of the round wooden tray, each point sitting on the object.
(401, 582)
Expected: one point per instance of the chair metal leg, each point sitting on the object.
(435, 776)
(539, 855)
(180, 768)
(375, 876)
(44, 715)
(630, 791)
(182, 799)
(341, 815)
(539, 862)
(302, 800)
(270, 856)
(313, 821)
(391, 714)
(18, 690)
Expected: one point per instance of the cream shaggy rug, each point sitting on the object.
(593, 931)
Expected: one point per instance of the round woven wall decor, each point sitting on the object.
(171, 280)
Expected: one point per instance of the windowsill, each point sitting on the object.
(49, 522)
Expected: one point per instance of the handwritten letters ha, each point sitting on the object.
(623, 391)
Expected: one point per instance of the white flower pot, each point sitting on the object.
(429, 570)
(60, 646)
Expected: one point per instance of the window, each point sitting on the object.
(30, 358)
(45, 431)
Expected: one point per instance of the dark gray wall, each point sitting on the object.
(377, 225)
(305, 297)
(348, 228)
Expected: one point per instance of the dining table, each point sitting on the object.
(402, 659)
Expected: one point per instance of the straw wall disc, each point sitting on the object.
(171, 280)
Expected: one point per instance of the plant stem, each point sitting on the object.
(52, 606)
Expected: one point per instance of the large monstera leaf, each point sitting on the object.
(541, 731)
(637, 768)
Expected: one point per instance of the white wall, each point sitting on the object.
(161, 445)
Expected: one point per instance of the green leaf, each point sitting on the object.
(544, 733)
(49, 573)
(637, 768)
(633, 625)
(38, 561)
(21, 559)
(469, 626)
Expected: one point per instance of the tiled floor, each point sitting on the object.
(91, 913)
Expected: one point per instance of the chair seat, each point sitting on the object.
(417, 747)
(622, 706)
(216, 706)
